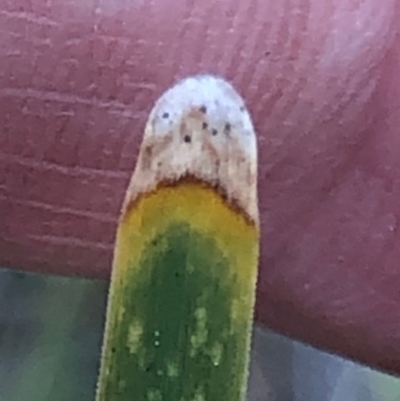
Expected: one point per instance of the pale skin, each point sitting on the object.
(321, 81)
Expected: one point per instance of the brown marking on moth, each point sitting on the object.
(184, 131)
(192, 122)
(191, 179)
(227, 129)
(216, 166)
(196, 113)
(147, 157)
(209, 147)
(196, 116)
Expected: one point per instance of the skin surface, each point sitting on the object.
(320, 78)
